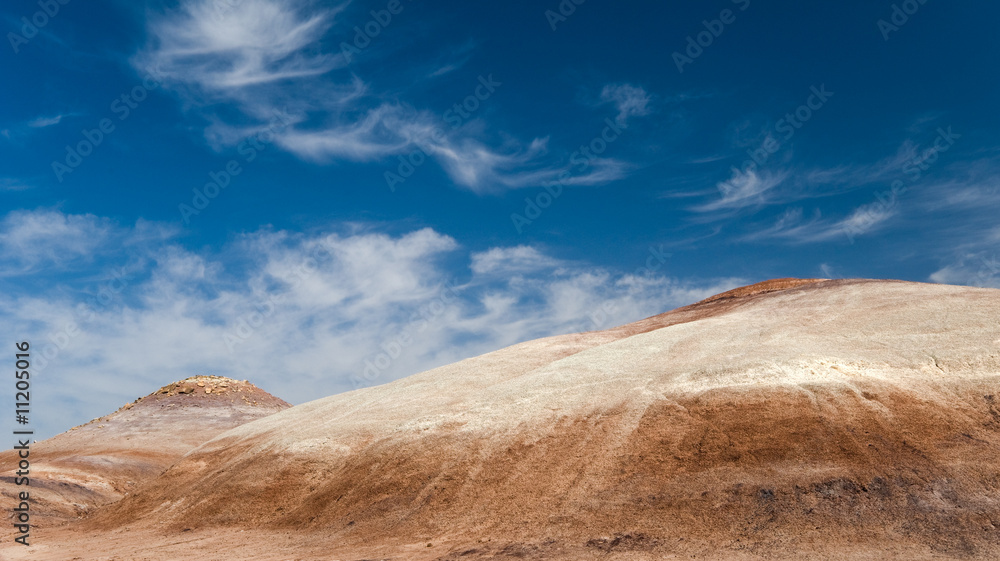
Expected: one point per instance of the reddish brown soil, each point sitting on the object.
(759, 471)
(787, 420)
(105, 459)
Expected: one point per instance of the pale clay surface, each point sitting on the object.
(906, 334)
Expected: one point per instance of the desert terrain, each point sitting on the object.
(102, 461)
(794, 419)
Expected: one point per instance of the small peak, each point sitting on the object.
(204, 382)
(208, 389)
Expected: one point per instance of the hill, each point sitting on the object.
(104, 460)
(788, 420)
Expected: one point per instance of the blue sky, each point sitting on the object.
(319, 196)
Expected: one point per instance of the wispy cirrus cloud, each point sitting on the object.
(257, 42)
(265, 57)
(42, 122)
(980, 268)
(915, 189)
(745, 189)
(967, 250)
(756, 185)
(13, 184)
(793, 228)
(18, 131)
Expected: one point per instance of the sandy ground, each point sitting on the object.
(264, 545)
(790, 420)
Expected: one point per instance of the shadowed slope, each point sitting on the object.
(101, 461)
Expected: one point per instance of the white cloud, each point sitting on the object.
(255, 42)
(264, 57)
(791, 227)
(43, 122)
(865, 219)
(28, 239)
(745, 189)
(750, 188)
(46, 240)
(629, 100)
(977, 269)
(12, 184)
(368, 138)
(303, 313)
(519, 259)
(788, 226)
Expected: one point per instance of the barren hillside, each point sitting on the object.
(101, 461)
(789, 420)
